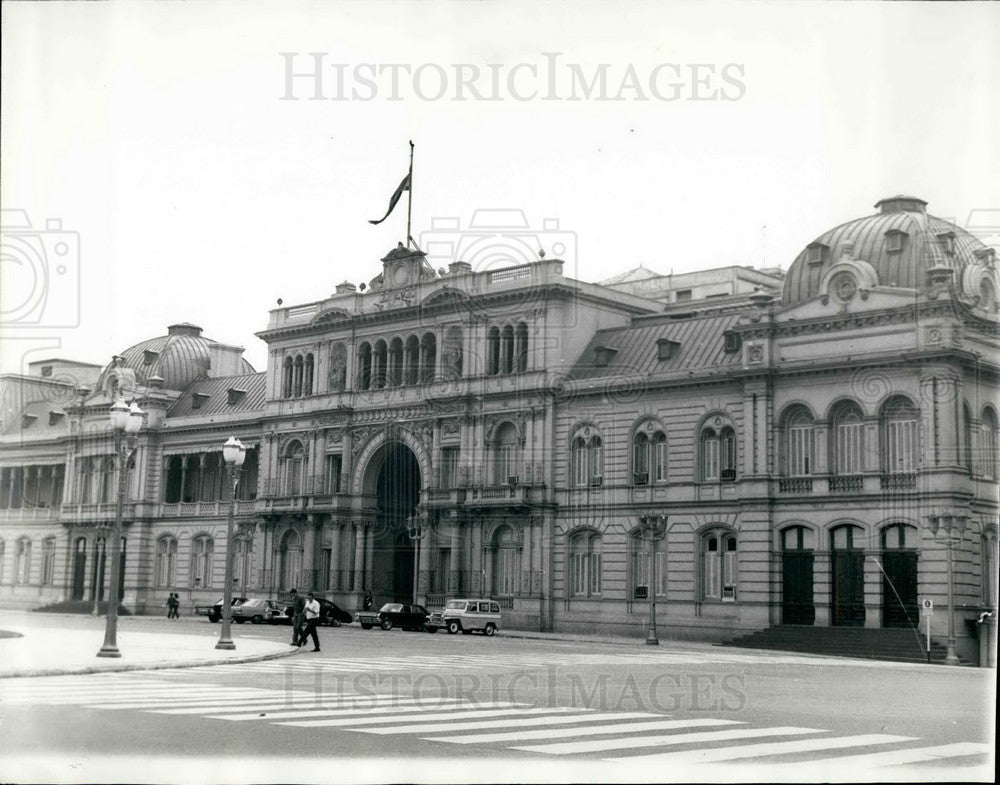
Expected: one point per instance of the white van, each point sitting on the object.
(466, 616)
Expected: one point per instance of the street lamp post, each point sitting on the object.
(233, 453)
(948, 528)
(417, 531)
(653, 529)
(126, 420)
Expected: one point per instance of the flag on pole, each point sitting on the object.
(403, 186)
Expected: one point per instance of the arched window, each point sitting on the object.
(452, 353)
(411, 360)
(988, 443)
(48, 560)
(506, 563)
(659, 457)
(202, 553)
(22, 569)
(307, 381)
(242, 563)
(587, 456)
(595, 454)
(166, 562)
(86, 481)
(709, 455)
(286, 378)
(521, 347)
(640, 550)
(847, 443)
(640, 458)
(727, 455)
(579, 457)
(365, 366)
(295, 468)
(378, 365)
(106, 494)
(899, 536)
(507, 349)
(428, 358)
(899, 437)
(585, 564)
(506, 457)
(297, 378)
(799, 445)
(493, 351)
(395, 362)
(718, 565)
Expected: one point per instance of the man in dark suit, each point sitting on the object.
(298, 618)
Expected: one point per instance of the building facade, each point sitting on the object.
(810, 453)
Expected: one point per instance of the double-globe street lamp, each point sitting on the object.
(417, 530)
(126, 421)
(948, 528)
(233, 453)
(652, 528)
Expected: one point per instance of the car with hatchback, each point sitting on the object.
(466, 616)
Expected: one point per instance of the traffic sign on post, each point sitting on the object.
(927, 607)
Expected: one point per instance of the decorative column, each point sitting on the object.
(335, 556)
(359, 556)
(455, 563)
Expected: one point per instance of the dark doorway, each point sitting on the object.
(848, 578)
(899, 577)
(797, 577)
(79, 568)
(397, 490)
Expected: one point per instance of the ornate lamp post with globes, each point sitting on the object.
(948, 529)
(233, 453)
(653, 528)
(126, 421)
(417, 530)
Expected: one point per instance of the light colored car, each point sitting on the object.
(466, 616)
(257, 611)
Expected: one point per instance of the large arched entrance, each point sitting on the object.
(397, 493)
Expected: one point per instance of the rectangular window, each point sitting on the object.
(712, 575)
(683, 296)
(507, 564)
(710, 458)
(595, 573)
(48, 561)
(849, 448)
(640, 569)
(579, 465)
(902, 444)
(449, 467)
(800, 451)
(661, 460)
(333, 464)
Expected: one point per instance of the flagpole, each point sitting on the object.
(409, 198)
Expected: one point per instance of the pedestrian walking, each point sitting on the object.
(312, 619)
(368, 600)
(298, 618)
(173, 606)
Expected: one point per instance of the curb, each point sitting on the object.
(152, 666)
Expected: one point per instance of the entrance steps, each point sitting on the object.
(80, 607)
(898, 645)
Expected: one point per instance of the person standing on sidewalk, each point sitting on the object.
(298, 619)
(312, 619)
(173, 604)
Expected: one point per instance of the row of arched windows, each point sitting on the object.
(507, 349)
(397, 362)
(981, 442)
(297, 375)
(204, 477)
(23, 563)
(31, 486)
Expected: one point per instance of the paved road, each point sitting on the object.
(403, 705)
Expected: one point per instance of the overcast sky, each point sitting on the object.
(203, 183)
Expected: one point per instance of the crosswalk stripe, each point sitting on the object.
(457, 703)
(278, 701)
(597, 730)
(850, 763)
(191, 703)
(111, 698)
(745, 751)
(570, 747)
(351, 723)
(515, 723)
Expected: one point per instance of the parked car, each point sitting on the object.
(466, 616)
(257, 611)
(394, 614)
(330, 614)
(214, 612)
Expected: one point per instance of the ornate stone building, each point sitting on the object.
(795, 455)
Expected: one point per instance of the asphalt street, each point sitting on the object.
(396, 705)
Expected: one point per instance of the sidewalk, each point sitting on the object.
(71, 647)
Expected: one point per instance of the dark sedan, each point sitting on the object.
(394, 614)
(330, 614)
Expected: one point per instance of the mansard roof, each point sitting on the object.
(636, 350)
(208, 397)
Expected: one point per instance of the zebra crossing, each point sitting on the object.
(631, 737)
(306, 662)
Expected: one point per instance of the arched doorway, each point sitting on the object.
(397, 493)
(847, 575)
(797, 576)
(899, 576)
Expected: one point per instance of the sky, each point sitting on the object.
(181, 162)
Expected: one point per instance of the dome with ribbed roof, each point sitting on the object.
(900, 246)
(179, 358)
